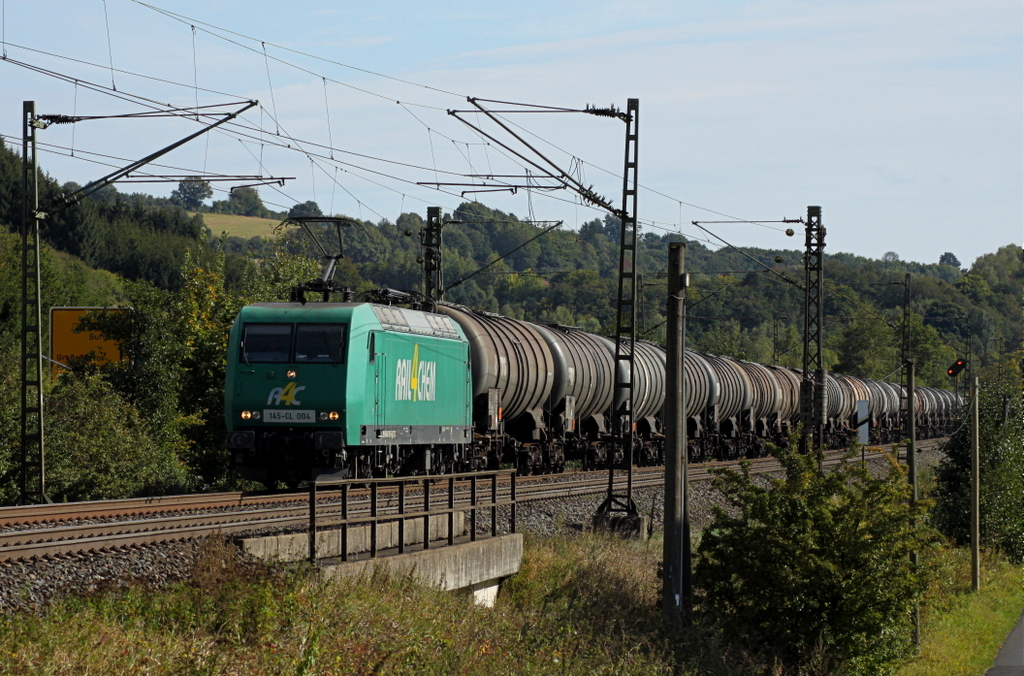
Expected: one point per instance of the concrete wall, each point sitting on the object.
(295, 546)
(477, 567)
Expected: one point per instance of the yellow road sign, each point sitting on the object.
(66, 342)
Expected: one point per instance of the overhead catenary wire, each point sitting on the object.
(737, 219)
(327, 107)
(193, 23)
(501, 257)
(261, 128)
(205, 27)
(263, 44)
(150, 102)
(744, 253)
(184, 19)
(110, 49)
(270, 82)
(235, 126)
(117, 161)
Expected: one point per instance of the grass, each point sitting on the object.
(239, 226)
(961, 631)
(583, 605)
(579, 607)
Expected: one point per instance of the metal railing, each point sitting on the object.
(464, 494)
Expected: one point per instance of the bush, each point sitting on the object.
(1001, 451)
(99, 448)
(814, 567)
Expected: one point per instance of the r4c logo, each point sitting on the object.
(285, 395)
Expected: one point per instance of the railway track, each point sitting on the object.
(75, 528)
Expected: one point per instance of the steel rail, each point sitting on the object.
(70, 539)
(24, 514)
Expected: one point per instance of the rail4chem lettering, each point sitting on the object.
(415, 380)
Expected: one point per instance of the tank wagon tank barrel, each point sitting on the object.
(360, 388)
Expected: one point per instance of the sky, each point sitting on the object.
(901, 119)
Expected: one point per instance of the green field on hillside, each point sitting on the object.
(239, 226)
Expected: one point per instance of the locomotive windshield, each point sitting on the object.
(319, 343)
(266, 343)
(272, 343)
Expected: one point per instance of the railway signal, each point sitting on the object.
(956, 367)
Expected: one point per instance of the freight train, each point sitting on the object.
(360, 389)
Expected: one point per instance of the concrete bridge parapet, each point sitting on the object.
(475, 567)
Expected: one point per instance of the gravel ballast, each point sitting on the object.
(32, 585)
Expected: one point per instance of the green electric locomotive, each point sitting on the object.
(343, 389)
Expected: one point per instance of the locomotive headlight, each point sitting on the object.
(246, 415)
(333, 415)
(290, 374)
(323, 415)
(255, 415)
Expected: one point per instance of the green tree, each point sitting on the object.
(191, 192)
(243, 201)
(152, 341)
(868, 347)
(175, 343)
(203, 310)
(99, 448)
(814, 566)
(305, 209)
(10, 425)
(728, 337)
(274, 278)
(1001, 449)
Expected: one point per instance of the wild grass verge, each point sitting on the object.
(583, 605)
(961, 631)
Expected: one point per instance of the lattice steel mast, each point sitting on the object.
(32, 482)
(33, 476)
(430, 237)
(625, 324)
(812, 385)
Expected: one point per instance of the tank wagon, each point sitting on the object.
(353, 389)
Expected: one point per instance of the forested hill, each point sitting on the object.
(737, 306)
(153, 423)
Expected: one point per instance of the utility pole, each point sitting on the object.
(912, 474)
(33, 471)
(677, 595)
(812, 384)
(625, 328)
(907, 406)
(975, 490)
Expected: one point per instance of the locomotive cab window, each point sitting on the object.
(266, 343)
(319, 343)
